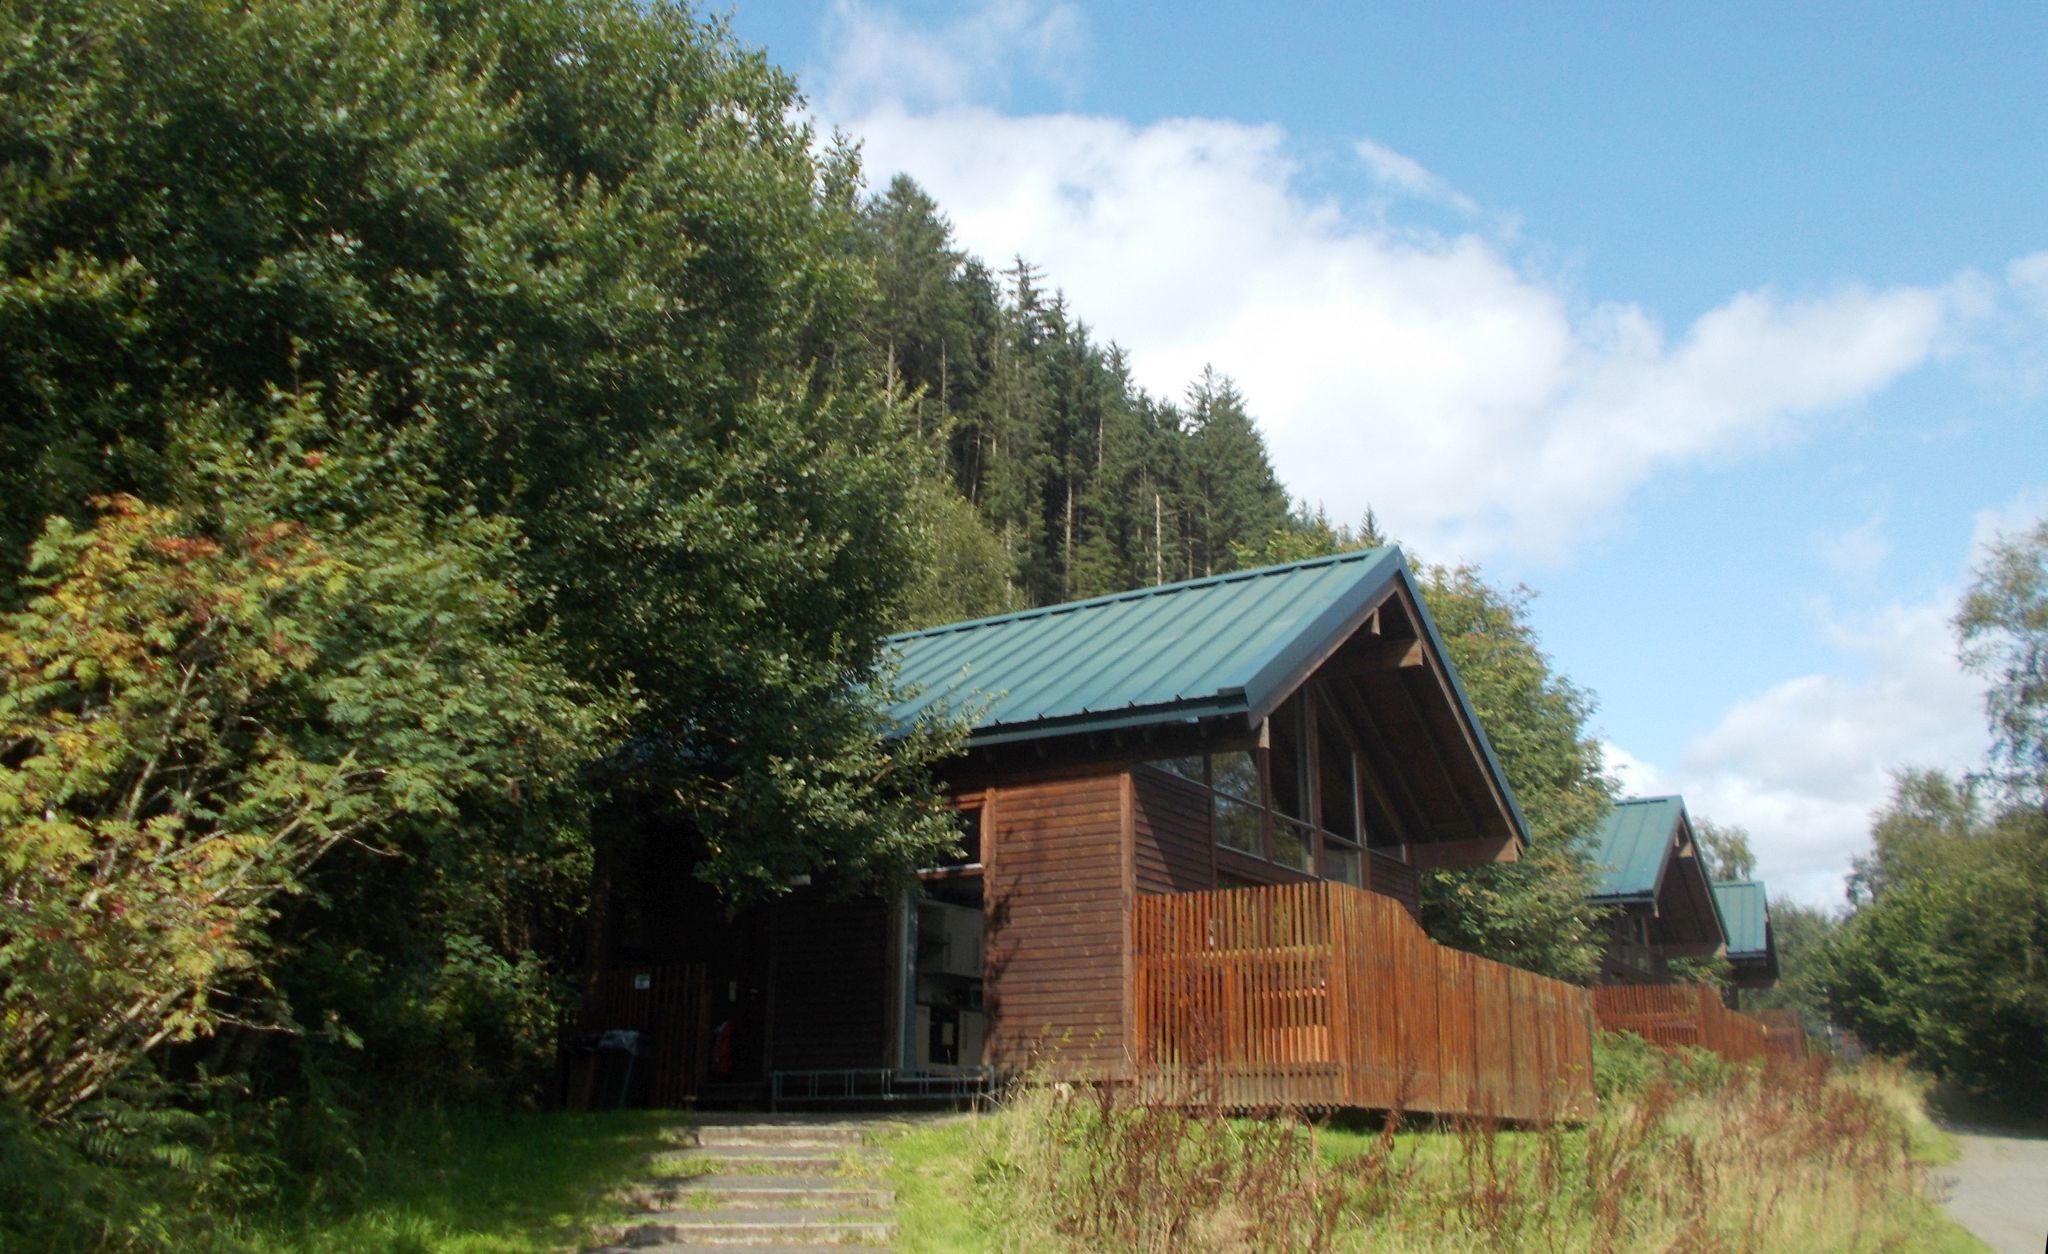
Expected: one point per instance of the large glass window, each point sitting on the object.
(1289, 758)
(1336, 767)
(1243, 810)
(1235, 778)
(968, 853)
(1292, 843)
(1193, 768)
(1342, 864)
(1235, 774)
(1237, 825)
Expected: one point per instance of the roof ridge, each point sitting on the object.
(1139, 594)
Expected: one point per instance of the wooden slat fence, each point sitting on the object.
(1320, 995)
(1784, 1034)
(1676, 1015)
(669, 1002)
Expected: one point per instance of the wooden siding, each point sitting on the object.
(1173, 849)
(1391, 877)
(831, 983)
(1678, 1015)
(1321, 995)
(1056, 894)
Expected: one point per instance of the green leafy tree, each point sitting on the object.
(1532, 913)
(1311, 533)
(1801, 933)
(1232, 496)
(589, 254)
(2003, 625)
(1726, 849)
(195, 711)
(961, 571)
(1941, 960)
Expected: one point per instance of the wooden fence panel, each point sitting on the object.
(1680, 1015)
(1784, 1034)
(1322, 995)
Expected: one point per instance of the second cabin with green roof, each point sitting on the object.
(1752, 946)
(1662, 906)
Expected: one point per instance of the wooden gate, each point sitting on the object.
(671, 1005)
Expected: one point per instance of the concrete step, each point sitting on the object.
(759, 1225)
(713, 1247)
(763, 1134)
(747, 1190)
(739, 1162)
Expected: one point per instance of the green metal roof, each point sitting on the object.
(1232, 644)
(1155, 655)
(1744, 911)
(1631, 843)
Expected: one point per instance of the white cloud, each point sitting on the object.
(2007, 351)
(1471, 400)
(2028, 277)
(2011, 519)
(977, 55)
(1805, 763)
(1402, 173)
(1857, 552)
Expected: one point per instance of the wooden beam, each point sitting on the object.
(1464, 852)
(1468, 732)
(1436, 754)
(1389, 655)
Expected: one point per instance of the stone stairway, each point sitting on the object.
(764, 1183)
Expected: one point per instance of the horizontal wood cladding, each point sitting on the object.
(831, 982)
(1170, 828)
(1055, 949)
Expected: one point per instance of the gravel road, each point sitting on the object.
(1999, 1190)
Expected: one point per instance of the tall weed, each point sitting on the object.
(1687, 1153)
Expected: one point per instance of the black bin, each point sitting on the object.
(625, 1060)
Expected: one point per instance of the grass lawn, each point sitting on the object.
(509, 1184)
(932, 1170)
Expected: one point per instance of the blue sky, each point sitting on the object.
(1723, 327)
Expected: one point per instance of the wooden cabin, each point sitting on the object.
(1654, 883)
(1752, 948)
(1295, 729)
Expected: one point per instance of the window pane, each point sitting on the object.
(969, 852)
(1235, 775)
(1333, 764)
(1342, 865)
(1237, 825)
(1189, 768)
(1290, 762)
(1291, 844)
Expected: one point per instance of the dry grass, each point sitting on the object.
(1691, 1155)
